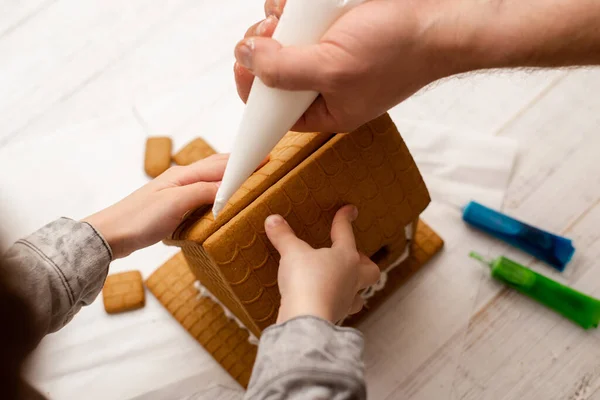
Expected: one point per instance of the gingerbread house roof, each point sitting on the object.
(309, 177)
(289, 152)
(376, 151)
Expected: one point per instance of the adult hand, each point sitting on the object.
(383, 51)
(152, 212)
(373, 57)
(326, 282)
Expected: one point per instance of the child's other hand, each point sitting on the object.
(326, 282)
(152, 212)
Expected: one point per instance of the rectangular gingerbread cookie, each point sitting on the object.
(205, 320)
(123, 292)
(194, 151)
(158, 155)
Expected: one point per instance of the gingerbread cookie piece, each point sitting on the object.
(205, 320)
(123, 292)
(194, 151)
(158, 155)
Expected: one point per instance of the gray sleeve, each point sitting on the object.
(57, 270)
(308, 358)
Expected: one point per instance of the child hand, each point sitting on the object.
(326, 282)
(152, 212)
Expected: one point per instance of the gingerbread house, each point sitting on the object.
(222, 287)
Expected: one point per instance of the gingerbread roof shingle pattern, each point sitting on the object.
(370, 168)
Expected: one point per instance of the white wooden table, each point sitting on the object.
(106, 71)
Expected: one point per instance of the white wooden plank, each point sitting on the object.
(481, 102)
(536, 353)
(179, 77)
(420, 337)
(75, 42)
(517, 349)
(16, 14)
(448, 333)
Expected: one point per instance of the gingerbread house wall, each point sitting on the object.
(211, 277)
(370, 168)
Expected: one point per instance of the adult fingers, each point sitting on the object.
(274, 7)
(288, 68)
(282, 236)
(210, 169)
(342, 235)
(243, 81)
(243, 77)
(264, 28)
(253, 29)
(318, 118)
(357, 304)
(368, 272)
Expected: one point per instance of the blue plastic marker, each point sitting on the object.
(555, 250)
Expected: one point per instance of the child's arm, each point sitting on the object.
(62, 266)
(305, 356)
(57, 270)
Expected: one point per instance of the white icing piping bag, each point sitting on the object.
(270, 113)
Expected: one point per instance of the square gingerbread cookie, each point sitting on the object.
(194, 151)
(123, 292)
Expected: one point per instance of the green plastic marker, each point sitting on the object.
(578, 307)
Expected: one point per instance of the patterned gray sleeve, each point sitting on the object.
(308, 358)
(57, 270)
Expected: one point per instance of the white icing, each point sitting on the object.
(371, 290)
(381, 282)
(204, 292)
(408, 231)
(253, 339)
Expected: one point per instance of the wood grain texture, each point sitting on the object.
(448, 333)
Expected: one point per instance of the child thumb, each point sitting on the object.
(288, 68)
(281, 235)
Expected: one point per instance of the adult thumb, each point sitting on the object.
(282, 236)
(288, 68)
